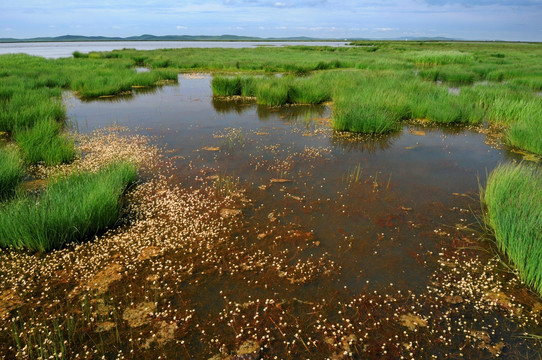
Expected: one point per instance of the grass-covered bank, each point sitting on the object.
(30, 98)
(70, 209)
(11, 171)
(513, 201)
(32, 113)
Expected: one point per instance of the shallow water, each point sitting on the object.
(342, 215)
(371, 203)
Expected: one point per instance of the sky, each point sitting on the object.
(512, 20)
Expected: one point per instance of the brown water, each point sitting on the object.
(353, 217)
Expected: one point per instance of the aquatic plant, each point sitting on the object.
(11, 171)
(352, 175)
(71, 209)
(513, 199)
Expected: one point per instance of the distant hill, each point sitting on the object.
(149, 37)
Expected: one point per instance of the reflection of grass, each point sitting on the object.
(70, 209)
(11, 171)
(513, 198)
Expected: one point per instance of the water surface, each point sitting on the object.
(345, 237)
(372, 203)
(65, 49)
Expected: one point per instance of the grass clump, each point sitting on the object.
(226, 86)
(435, 57)
(46, 143)
(25, 107)
(351, 113)
(272, 92)
(309, 91)
(513, 199)
(526, 135)
(70, 209)
(11, 171)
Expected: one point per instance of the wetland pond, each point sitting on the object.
(293, 241)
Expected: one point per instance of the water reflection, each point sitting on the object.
(127, 96)
(290, 113)
(224, 106)
(364, 143)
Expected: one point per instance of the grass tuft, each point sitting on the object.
(45, 143)
(71, 209)
(11, 171)
(513, 199)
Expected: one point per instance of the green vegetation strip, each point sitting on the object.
(70, 209)
(513, 197)
(11, 171)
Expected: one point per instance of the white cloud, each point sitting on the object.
(384, 29)
(179, 27)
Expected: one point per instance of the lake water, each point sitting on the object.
(66, 49)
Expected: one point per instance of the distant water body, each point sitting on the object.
(65, 49)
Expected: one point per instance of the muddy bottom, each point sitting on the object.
(262, 233)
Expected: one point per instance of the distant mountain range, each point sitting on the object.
(147, 37)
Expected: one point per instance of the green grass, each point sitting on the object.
(453, 75)
(273, 92)
(513, 198)
(11, 171)
(46, 143)
(26, 106)
(526, 135)
(441, 57)
(71, 209)
(309, 91)
(226, 86)
(354, 112)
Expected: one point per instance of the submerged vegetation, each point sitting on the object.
(513, 198)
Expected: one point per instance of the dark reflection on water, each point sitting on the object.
(289, 113)
(225, 106)
(363, 143)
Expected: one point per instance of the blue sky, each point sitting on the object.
(478, 19)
